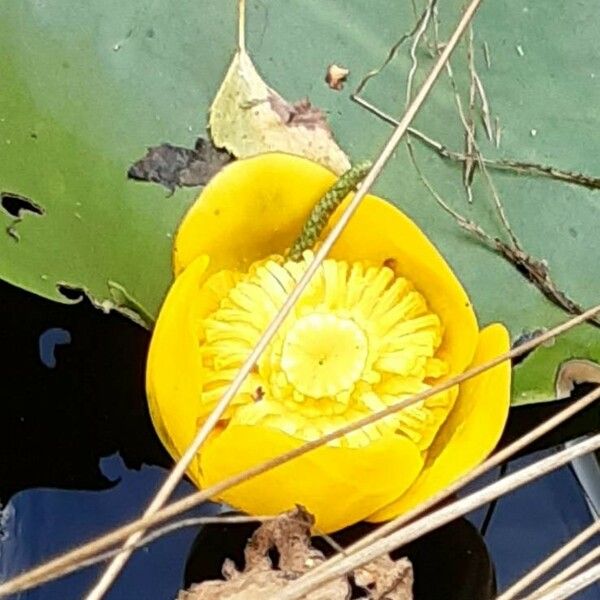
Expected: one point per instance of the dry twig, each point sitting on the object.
(565, 574)
(394, 49)
(527, 580)
(571, 586)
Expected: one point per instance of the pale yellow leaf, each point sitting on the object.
(248, 117)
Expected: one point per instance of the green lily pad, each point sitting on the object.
(87, 87)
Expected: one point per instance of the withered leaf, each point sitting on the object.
(247, 117)
(289, 534)
(176, 166)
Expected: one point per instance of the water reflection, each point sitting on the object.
(43, 522)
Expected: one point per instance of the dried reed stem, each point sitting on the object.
(571, 586)
(569, 571)
(526, 581)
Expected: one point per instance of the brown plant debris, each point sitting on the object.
(336, 76)
(537, 272)
(176, 166)
(297, 114)
(534, 270)
(386, 579)
(289, 534)
(517, 167)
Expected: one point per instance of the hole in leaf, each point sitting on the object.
(71, 293)
(16, 205)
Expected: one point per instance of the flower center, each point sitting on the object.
(324, 354)
(359, 339)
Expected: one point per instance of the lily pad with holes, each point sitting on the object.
(87, 87)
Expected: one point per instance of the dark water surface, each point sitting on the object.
(79, 456)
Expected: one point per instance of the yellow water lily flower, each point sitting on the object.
(384, 318)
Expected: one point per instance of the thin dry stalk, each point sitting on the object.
(393, 50)
(469, 125)
(477, 152)
(486, 53)
(569, 571)
(179, 470)
(496, 459)
(68, 562)
(413, 48)
(485, 107)
(420, 527)
(571, 586)
(170, 528)
(512, 166)
(526, 581)
(498, 135)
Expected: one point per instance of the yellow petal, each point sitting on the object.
(380, 232)
(251, 209)
(340, 486)
(173, 377)
(471, 431)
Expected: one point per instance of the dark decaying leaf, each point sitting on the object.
(176, 166)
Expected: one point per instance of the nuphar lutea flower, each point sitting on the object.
(384, 318)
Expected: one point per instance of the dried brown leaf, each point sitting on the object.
(386, 579)
(248, 117)
(290, 536)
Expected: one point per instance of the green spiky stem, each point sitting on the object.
(325, 207)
